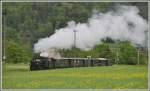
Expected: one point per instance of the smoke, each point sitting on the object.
(50, 53)
(123, 24)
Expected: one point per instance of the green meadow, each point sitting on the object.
(17, 76)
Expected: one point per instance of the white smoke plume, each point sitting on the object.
(123, 24)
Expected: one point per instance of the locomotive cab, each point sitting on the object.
(39, 63)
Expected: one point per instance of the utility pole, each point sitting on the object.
(138, 53)
(3, 43)
(117, 55)
(74, 38)
(116, 51)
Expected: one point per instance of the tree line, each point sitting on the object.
(25, 23)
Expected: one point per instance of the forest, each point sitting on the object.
(25, 23)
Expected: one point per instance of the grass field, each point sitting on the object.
(105, 77)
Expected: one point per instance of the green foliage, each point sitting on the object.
(74, 52)
(16, 54)
(143, 56)
(25, 23)
(128, 53)
(101, 50)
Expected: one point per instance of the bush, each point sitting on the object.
(127, 54)
(16, 53)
